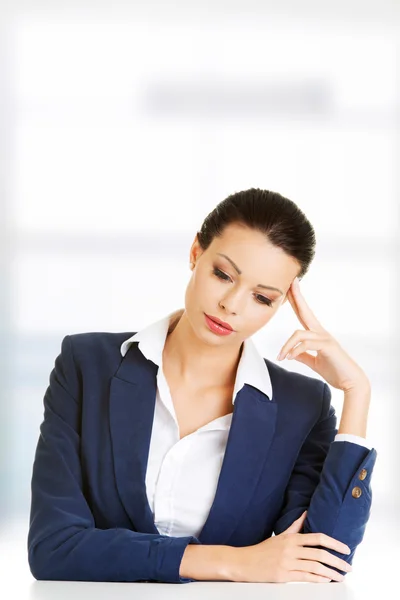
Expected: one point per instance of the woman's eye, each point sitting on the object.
(264, 300)
(260, 299)
(220, 274)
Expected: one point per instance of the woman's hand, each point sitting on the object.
(331, 362)
(284, 558)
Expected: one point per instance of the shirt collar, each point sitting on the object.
(252, 368)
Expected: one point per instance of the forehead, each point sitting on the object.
(255, 256)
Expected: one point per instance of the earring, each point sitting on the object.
(192, 265)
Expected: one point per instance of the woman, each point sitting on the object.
(175, 453)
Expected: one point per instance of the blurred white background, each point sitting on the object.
(123, 124)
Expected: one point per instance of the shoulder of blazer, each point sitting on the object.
(98, 346)
(280, 374)
(290, 386)
(96, 338)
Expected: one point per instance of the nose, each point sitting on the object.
(232, 303)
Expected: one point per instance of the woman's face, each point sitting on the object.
(217, 289)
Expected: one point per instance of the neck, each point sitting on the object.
(195, 362)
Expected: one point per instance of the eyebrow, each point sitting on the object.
(267, 287)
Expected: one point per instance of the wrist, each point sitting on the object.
(232, 565)
(359, 388)
(355, 410)
(208, 562)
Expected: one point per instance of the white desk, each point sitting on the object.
(375, 571)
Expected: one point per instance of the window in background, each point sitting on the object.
(126, 138)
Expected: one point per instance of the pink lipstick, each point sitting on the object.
(218, 326)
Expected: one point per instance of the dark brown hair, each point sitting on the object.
(279, 218)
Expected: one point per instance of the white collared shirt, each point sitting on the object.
(182, 474)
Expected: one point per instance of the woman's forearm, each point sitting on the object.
(218, 562)
(207, 563)
(355, 411)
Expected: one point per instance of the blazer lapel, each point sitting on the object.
(249, 440)
(132, 403)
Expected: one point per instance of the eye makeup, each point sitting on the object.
(239, 272)
(224, 277)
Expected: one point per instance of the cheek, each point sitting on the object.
(204, 284)
(200, 287)
(263, 318)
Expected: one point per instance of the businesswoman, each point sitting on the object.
(178, 453)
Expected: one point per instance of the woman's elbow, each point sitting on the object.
(40, 564)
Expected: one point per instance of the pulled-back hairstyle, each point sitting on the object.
(280, 219)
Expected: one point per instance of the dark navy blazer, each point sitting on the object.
(90, 519)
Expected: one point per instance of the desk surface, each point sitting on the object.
(375, 566)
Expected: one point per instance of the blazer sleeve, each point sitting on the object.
(63, 540)
(332, 481)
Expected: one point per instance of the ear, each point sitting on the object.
(195, 250)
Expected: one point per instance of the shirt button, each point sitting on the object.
(363, 473)
(356, 492)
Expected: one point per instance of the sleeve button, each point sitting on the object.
(363, 473)
(356, 492)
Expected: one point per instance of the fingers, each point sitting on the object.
(297, 524)
(321, 539)
(309, 577)
(302, 310)
(308, 340)
(317, 569)
(323, 556)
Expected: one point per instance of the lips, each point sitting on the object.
(219, 322)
